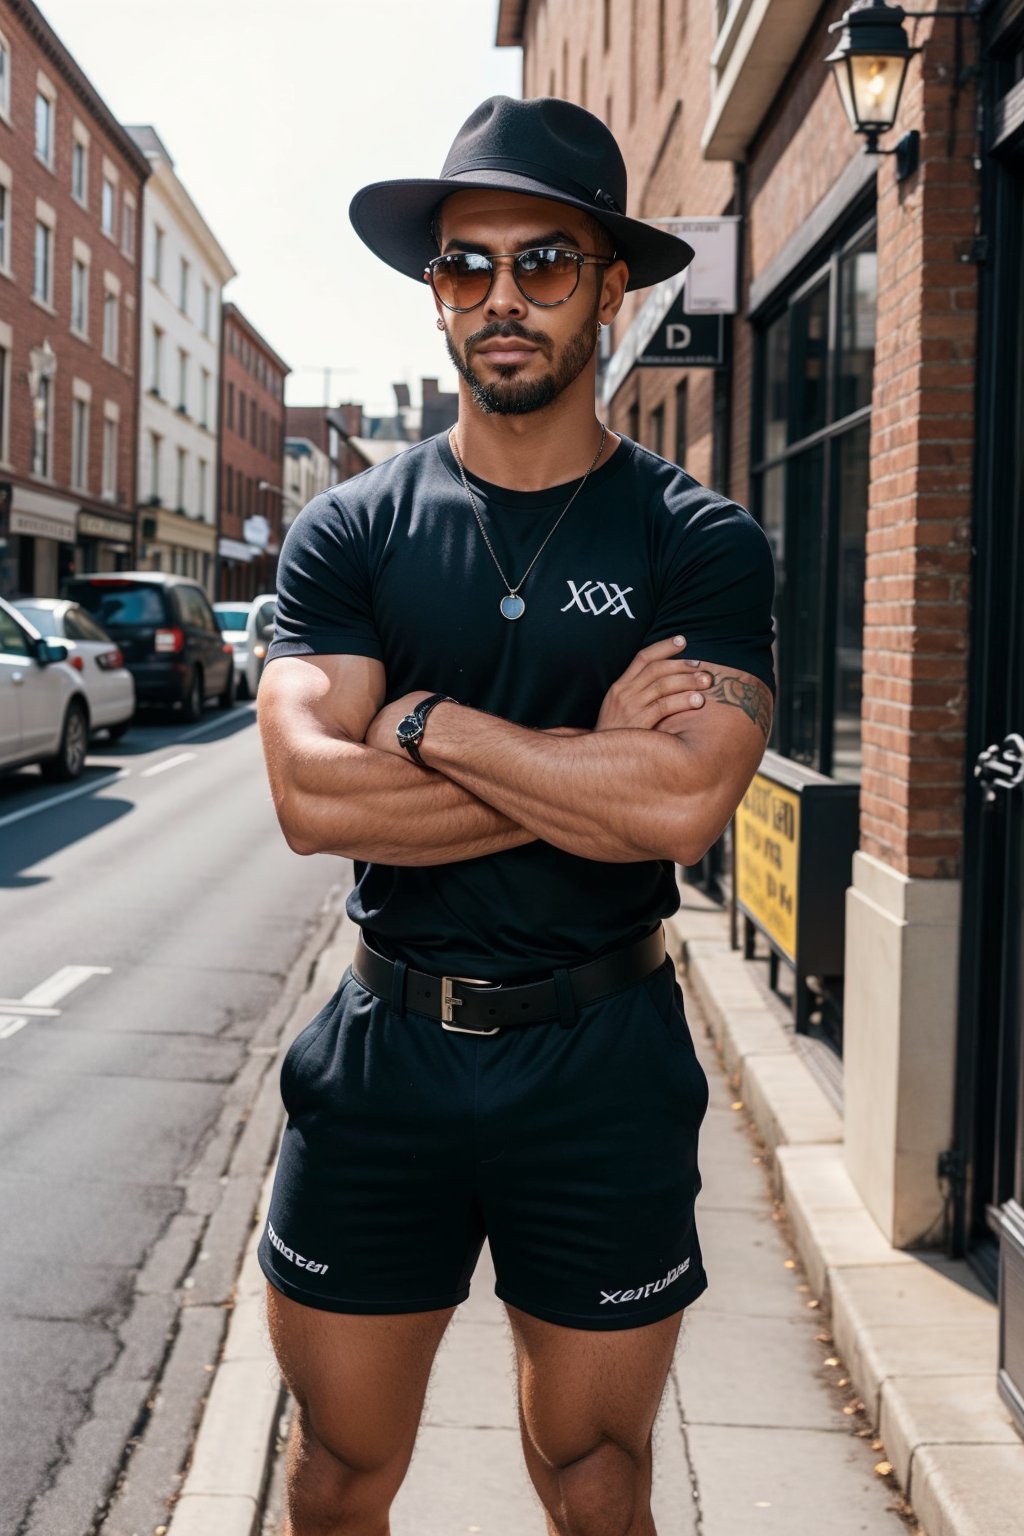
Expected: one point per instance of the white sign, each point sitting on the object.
(711, 277)
(37, 525)
(256, 530)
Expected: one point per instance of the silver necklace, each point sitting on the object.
(512, 606)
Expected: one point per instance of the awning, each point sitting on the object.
(40, 516)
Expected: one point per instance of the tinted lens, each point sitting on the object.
(461, 280)
(547, 276)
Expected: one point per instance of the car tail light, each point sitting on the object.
(76, 661)
(109, 661)
(169, 640)
(229, 648)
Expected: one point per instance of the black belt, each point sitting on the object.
(484, 1007)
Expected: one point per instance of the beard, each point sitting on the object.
(508, 395)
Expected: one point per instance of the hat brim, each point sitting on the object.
(394, 219)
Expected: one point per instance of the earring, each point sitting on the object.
(439, 323)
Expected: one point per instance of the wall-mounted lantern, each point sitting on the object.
(870, 65)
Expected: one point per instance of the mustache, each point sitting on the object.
(506, 329)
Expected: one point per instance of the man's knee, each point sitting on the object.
(600, 1491)
(340, 1476)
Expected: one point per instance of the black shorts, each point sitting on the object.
(572, 1150)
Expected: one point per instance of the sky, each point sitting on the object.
(274, 115)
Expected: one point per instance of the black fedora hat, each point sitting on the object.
(544, 147)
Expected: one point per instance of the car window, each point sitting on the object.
(79, 625)
(121, 606)
(13, 639)
(205, 612)
(265, 620)
(43, 619)
(231, 618)
(192, 607)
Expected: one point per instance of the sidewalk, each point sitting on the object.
(757, 1434)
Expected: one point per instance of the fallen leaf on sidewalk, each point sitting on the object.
(813, 1304)
(789, 1264)
(876, 1445)
(832, 1360)
(883, 1468)
(736, 1104)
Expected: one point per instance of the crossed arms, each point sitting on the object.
(658, 778)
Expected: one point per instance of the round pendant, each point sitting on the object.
(512, 606)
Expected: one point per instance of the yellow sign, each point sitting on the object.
(767, 849)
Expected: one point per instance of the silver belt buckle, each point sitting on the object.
(449, 1002)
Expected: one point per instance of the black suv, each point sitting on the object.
(167, 631)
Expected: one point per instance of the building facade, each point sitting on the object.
(864, 397)
(252, 491)
(184, 270)
(71, 192)
(307, 473)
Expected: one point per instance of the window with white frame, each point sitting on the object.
(80, 443)
(110, 434)
(204, 475)
(5, 225)
(183, 276)
(111, 304)
(182, 379)
(42, 428)
(5, 77)
(80, 163)
(207, 308)
(79, 296)
(108, 207)
(204, 397)
(179, 479)
(44, 127)
(128, 226)
(42, 274)
(156, 444)
(158, 255)
(5, 387)
(156, 360)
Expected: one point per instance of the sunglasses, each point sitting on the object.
(545, 275)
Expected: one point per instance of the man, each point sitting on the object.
(477, 692)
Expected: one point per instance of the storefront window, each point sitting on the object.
(816, 359)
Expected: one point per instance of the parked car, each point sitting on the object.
(44, 713)
(109, 686)
(249, 627)
(168, 633)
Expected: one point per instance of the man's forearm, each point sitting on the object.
(579, 792)
(348, 799)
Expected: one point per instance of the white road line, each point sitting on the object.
(62, 982)
(69, 794)
(218, 720)
(12, 1028)
(9, 1005)
(170, 762)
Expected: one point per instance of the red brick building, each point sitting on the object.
(70, 206)
(869, 408)
(251, 477)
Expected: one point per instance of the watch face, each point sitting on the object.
(409, 728)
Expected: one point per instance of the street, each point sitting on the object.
(151, 919)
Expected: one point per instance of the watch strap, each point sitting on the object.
(421, 711)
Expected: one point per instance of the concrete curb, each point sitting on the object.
(233, 1451)
(917, 1335)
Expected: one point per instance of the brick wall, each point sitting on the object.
(33, 49)
(252, 449)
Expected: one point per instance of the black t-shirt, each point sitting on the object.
(392, 565)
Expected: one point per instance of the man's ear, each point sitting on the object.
(613, 291)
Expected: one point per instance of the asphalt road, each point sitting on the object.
(151, 919)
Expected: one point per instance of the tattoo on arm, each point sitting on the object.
(752, 697)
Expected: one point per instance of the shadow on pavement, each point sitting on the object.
(31, 841)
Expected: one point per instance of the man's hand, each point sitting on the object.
(657, 687)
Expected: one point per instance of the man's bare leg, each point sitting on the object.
(587, 1405)
(359, 1384)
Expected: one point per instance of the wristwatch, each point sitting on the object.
(409, 729)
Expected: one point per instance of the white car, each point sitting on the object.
(248, 628)
(98, 660)
(44, 713)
